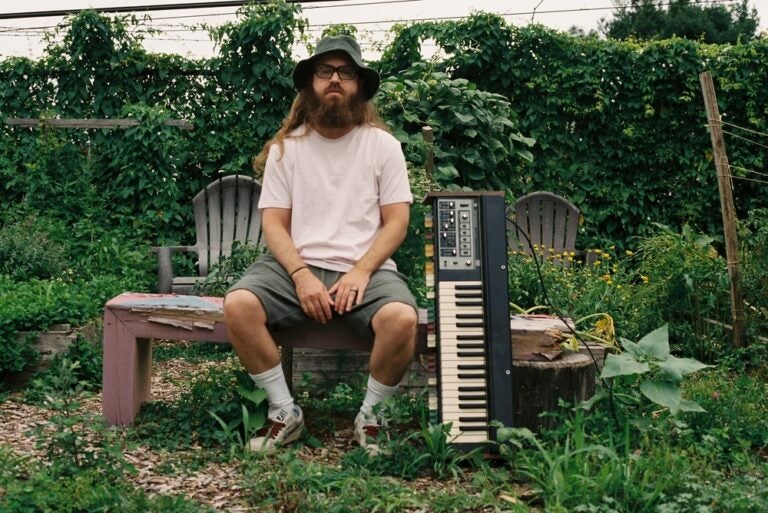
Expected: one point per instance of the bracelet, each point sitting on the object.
(297, 270)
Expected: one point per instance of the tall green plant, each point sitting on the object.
(477, 143)
(659, 371)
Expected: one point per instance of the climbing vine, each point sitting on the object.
(619, 127)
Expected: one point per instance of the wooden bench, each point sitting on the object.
(132, 320)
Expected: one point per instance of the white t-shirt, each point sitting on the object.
(335, 188)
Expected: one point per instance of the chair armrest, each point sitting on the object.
(165, 272)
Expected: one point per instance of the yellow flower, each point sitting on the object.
(644, 278)
(628, 253)
(605, 329)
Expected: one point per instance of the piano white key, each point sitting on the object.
(452, 285)
(468, 438)
(448, 382)
(456, 396)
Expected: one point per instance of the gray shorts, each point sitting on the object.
(267, 279)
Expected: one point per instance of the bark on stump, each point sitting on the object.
(538, 386)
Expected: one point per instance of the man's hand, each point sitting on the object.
(315, 300)
(350, 289)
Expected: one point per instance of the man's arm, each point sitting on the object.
(350, 288)
(315, 300)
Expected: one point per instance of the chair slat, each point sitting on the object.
(548, 219)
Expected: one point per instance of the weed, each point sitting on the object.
(75, 440)
(28, 487)
(188, 420)
(241, 429)
(86, 375)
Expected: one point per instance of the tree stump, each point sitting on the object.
(538, 386)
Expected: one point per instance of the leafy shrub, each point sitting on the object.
(753, 237)
(737, 414)
(477, 144)
(687, 287)
(228, 270)
(37, 304)
(28, 250)
(86, 375)
(607, 284)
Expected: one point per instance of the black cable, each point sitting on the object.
(567, 325)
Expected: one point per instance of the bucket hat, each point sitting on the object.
(303, 71)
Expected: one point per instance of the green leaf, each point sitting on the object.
(623, 364)
(630, 347)
(668, 394)
(675, 368)
(465, 118)
(656, 343)
(448, 171)
(256, 396)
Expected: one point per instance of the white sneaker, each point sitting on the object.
(367, 429)
(283, 429)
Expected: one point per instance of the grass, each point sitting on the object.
(713, 462)
(649, 461)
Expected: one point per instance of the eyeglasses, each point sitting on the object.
(346, 72)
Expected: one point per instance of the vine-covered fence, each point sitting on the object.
(619, 127)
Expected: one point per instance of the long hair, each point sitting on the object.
(300, 115)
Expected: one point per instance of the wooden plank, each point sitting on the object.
(90, 123)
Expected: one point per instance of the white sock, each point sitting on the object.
(278, 394)
(376, 393)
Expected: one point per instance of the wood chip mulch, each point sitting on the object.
(217, 485)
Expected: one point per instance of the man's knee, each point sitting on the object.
(243, 305)
(401, 318)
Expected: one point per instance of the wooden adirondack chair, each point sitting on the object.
(548, 220)
(225, 211)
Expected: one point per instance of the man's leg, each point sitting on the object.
(394, 326)
(247, 327)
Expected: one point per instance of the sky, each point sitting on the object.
(372, 18)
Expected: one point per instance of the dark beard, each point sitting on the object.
(335, 112)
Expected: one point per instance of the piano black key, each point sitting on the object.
(472, 428)
(469, 324)
(468, 286)
(470, 354)
(478, 315)
(477, 345)
(469, 303)
(476, 418)
(472, 389)
(471, 367)
(474, 375)
(470, 337)
(472, 397)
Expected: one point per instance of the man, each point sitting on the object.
(335, 204)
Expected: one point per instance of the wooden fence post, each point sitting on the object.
(725, 187)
